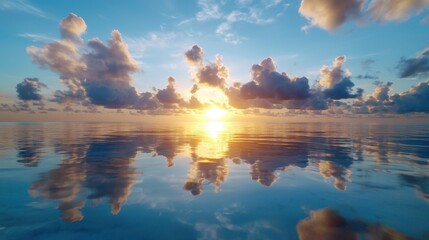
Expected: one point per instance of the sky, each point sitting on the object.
(63, 59)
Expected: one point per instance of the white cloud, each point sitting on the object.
(153, 40)
(22, 6)
(36, 37)
(209, 10)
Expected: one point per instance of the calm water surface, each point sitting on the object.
(214, 180)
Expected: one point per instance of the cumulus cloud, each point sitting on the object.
(337, 81)
(380, 101)
(416, 66)
(99, 73)
(194, 55)
(108, 73)
(271, 89)
(72, 27)
(169, 95)
(330, 14)
(414, 100)
(28, 90)
(63, 57)
(267, 83)
(213, 74)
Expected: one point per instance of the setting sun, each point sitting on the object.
(215, 113)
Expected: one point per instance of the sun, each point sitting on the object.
(215, 113)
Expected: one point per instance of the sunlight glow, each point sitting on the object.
(213, 129)
(215, 113)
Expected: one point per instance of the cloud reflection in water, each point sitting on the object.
(100, 164)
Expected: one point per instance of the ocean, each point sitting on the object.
(214, 180)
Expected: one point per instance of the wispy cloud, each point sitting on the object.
(248, 11)
(153, 40)
(36, 37)
(209, 10)
(251, 15)
(23, 6)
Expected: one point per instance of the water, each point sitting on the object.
(214, 181)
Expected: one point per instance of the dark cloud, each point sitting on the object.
(236, 100)
(414, 100)
(194, 55)
(147, 101)
(108, 73)
(268, 88)
(337, 81)
(271, 89)
(267, 83)
(213, 74)
(414, 67)
(316, 101)
(366, 76)
(28, 90)
(342, 90)
(169, 95)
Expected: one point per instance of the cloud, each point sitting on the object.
(414, 100)
(337, 81)
(342, 90)
(251, 15)
(153, 40)
(108, 69)
(22, 6)
(36, 37)
(213, 74)
(194, 56)
(278, 90)
(416, 66)
(391, 10)
(267, 83)
(169, 95)
(99, 75)
(366, 76)
(330, 14)
(209, 10)
(72, 27)
(28, 90)
(259, 13)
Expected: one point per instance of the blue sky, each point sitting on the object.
(158, 33)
